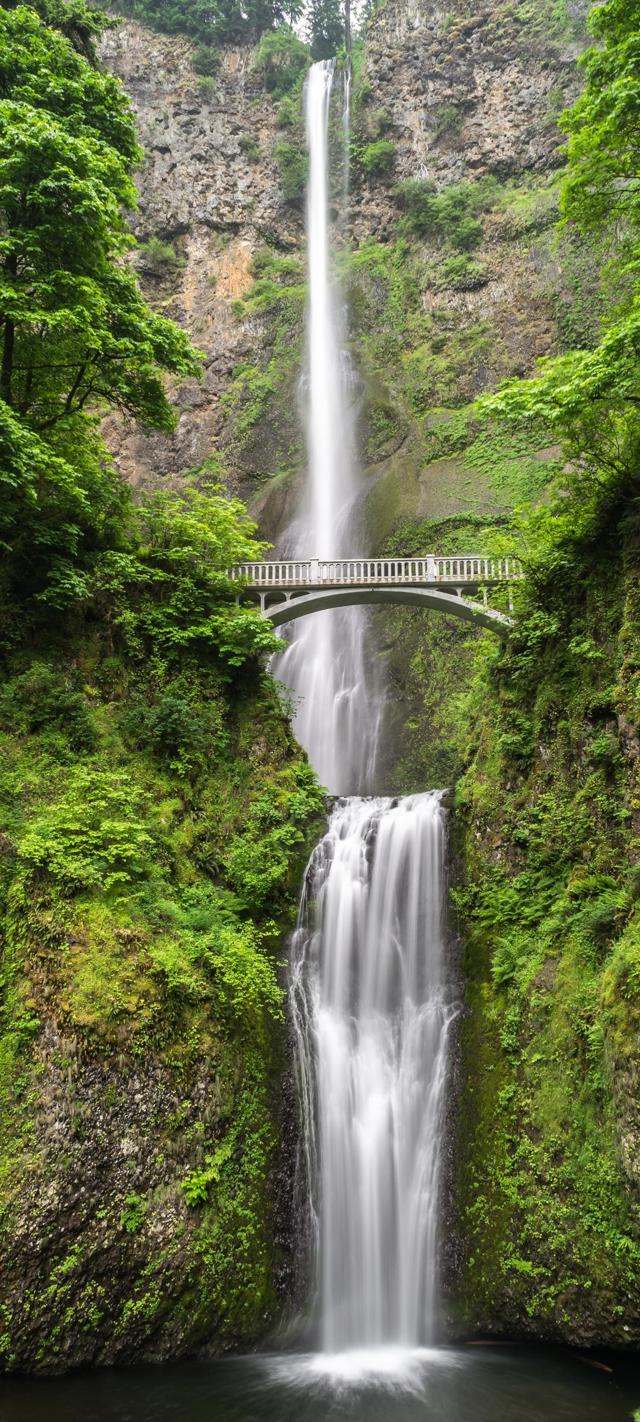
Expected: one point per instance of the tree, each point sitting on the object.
(214, 22)
(602, 187)
(80, 23)
(76, 335)
(168, 590)
(39, 67)
(325, 27)
(590, 399)
(282, 59)
(74, 327)
(58, 507)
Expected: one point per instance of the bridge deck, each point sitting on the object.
(468, 571)
(291, 589)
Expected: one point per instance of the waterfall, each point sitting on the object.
(369, 1002)
(338, 708)
(371, 1012)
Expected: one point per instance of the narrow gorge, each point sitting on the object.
(319, 990)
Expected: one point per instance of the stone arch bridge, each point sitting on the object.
(458, 585)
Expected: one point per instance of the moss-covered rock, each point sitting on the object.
(154, 832)
(548, 845)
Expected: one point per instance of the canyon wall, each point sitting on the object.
(456, 277)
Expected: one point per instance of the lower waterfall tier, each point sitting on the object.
(372, 1011)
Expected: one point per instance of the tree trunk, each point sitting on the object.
(6, 370)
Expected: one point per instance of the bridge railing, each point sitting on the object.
(345, 572)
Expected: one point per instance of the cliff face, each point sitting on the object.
(453, 283)
(205, 198)
(458, 97)
(156, 822)
(469, 90)
(441, 308)
(548, 841)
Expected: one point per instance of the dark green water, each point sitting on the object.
(448, 1385)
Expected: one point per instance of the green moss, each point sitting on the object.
(548, 909)
(377, 159)
(259, 436)
(142, 922)
(292, 162)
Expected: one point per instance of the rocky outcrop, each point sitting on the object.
(461, 93)
(201, 192)
(467, 90)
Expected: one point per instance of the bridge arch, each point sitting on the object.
(292, 606)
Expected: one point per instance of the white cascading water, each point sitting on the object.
(337, 710)
(368, 991)
(371, 1013)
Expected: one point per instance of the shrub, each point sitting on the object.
(281, 59)
(449, 121)
(249, 146)
(92, 837)
(378, 158)
(157, 256)
(293, 164)
(378, 123)
(205, 60)
(449, 215)
(133, 1214)
(181, 732)
(419, 198)
(288, 113)
(462, 273)
(40, 700)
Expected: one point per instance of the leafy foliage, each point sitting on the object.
(43, 701)
(377, 158)
(293, 163)
(78, 21)
(604, 142)
(134, 1213)
(452, 214)
(548, 803)
(169, 592)
(217, 23)
(92, 837)
(589, 398)
(282, 59)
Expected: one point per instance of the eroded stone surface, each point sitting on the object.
(200, 190)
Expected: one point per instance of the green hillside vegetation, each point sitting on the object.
(155, 810)
(548, 828)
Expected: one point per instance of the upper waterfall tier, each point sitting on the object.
(326, 663)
